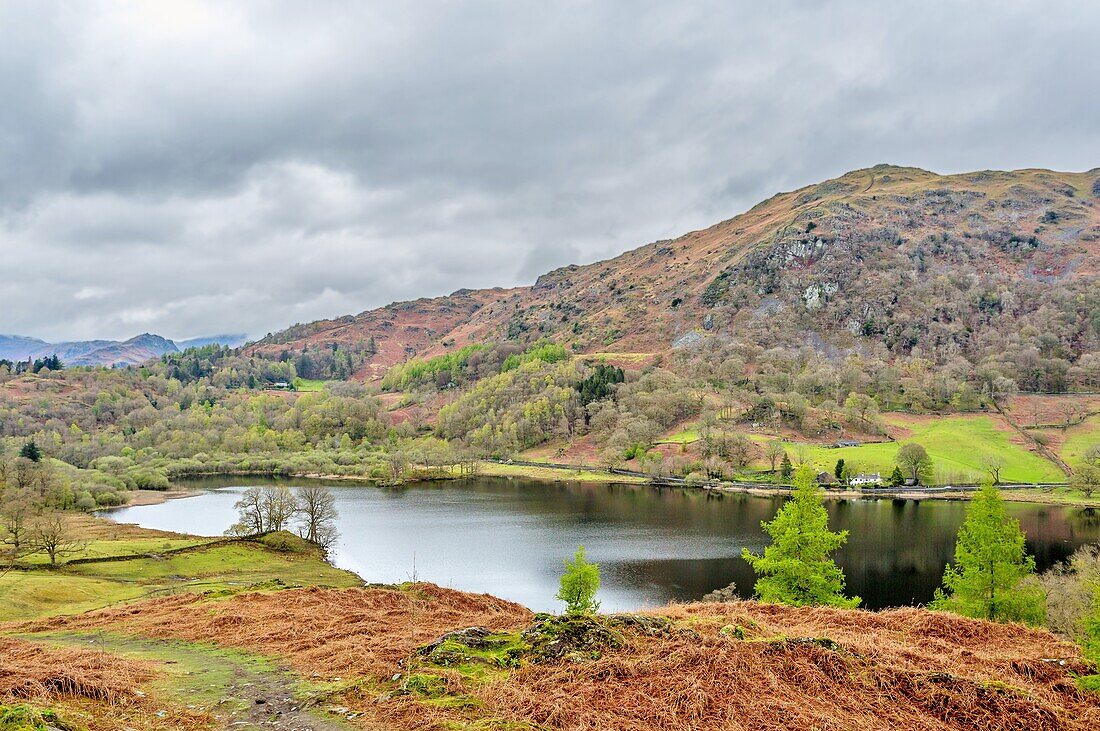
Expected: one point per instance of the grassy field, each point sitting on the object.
(622, 359)
(958, 446)
(73, 588)
(687, 435)
(495, 469)
(306, 385)
(1080, 439)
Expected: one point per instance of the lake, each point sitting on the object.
(508, 537)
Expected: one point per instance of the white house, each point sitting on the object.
(862, 480)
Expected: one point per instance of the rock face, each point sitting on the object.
(723, 594)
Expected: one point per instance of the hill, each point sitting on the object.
(892, 261)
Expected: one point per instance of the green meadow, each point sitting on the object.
(71, 588)
(958, 445)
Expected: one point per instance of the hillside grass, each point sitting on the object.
(308, 385)
(496, 469)
(957, 445)
(40, 591)
(124, 547)
(1080, 439)
(739, 664)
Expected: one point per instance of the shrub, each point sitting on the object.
(109, 499)
(149, 480)
(579, 585)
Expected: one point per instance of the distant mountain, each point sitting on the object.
(229, 341)
(111, 353)
(18, 347)
(130, 352)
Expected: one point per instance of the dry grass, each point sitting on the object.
(97, 690)
(740, 665)
(904, 669)
(322, 632)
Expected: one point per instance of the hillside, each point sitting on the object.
(389, 657)
(898, 262)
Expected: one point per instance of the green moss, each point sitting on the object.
(490, 724)
(22, 717)
(1089, 683)
(424, 684)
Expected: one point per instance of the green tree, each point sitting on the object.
(1086, 478)
(986, 579)
(31, 451)
(914, 462)
(796, 568)
(838, 471)
(896, 479)
(579, 585)
(785, 467)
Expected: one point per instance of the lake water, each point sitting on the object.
(508, 537)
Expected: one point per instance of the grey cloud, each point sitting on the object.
(237, 167)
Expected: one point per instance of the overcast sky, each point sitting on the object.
(189, 169)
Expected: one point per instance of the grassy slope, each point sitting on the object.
(706, 667)
(72, 589)
(495, 469)
(957, 444)
(1079, 439)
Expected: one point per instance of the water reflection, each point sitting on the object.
(509, 537)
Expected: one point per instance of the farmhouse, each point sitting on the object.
(862, 480)
(848, 443)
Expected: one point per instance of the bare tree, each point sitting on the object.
(317, 516)
(279, 508)
(398, 462)
(994, 464)
(264, 509)
(774, 452)
(16, 510)
(50, 535)
(250, 512)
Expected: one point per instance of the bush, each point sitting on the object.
(148, 480)
(85, 502)
(109, 499)
(579, 585)
(285, 542)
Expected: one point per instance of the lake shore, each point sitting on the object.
(1063, 496)
(157, 497)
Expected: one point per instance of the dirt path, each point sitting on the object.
(245, 692)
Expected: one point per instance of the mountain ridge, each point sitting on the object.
(110, 353)
(834, 263)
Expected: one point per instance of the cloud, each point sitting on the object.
(193, 167)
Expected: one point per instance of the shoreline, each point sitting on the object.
(593, 475)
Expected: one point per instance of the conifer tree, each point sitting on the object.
(31, 451)
(986, 580)
(785, 467)
(796, 568)
(896, 478)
